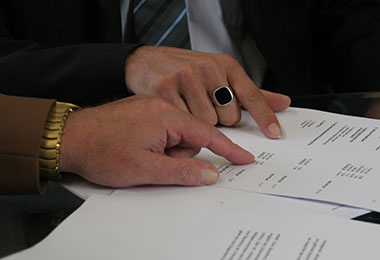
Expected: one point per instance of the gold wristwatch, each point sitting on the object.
(51, 140)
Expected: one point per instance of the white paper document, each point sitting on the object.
(203, 223)
(321, 156)
(85, 189)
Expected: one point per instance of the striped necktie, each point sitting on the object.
(161, 22)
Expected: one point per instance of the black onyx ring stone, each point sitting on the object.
(223, 96)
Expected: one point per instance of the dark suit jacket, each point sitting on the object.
(71, 50)
(315, 46)
(22, 123)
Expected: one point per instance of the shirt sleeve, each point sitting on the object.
(22, 123)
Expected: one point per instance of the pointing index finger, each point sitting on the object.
(253, 100)
(200, 134)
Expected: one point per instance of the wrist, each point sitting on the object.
(134, 70)
(75, 141)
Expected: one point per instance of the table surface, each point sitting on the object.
(25, 220)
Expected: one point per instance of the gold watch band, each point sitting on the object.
(51, 140)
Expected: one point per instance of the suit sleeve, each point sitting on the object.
(347, 40)
(22, 123)
(84, 74)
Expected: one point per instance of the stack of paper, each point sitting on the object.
(326, 159)
(203, 223)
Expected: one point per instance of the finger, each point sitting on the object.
(196, 133)
(276, 101)
(182, 152)
(254, 101)
(229, 114)
(223, 146)
(179, 171)
(180, 103)
(174, 98)
(215, 79)
(197, 99)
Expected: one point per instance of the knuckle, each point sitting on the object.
(207, 63)
(211, 68)
(264, 115)
(184, 75)
(185, 174)
(213, 71)
(228, 59)
(231, 120)
(162, 85)
(254, 96)
(210, 118)
(186, 78)
(257, 102)
(184, 72)
(213, 120)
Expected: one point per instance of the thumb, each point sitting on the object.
(181, 171)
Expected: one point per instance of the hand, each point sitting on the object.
(188, 78)
(142, 140)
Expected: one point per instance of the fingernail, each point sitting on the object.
(274, 130)
(209, 176)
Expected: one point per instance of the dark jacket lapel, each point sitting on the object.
(112, 8)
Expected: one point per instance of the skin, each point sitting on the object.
(146, 140)
(187, 80)
(143, 140)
